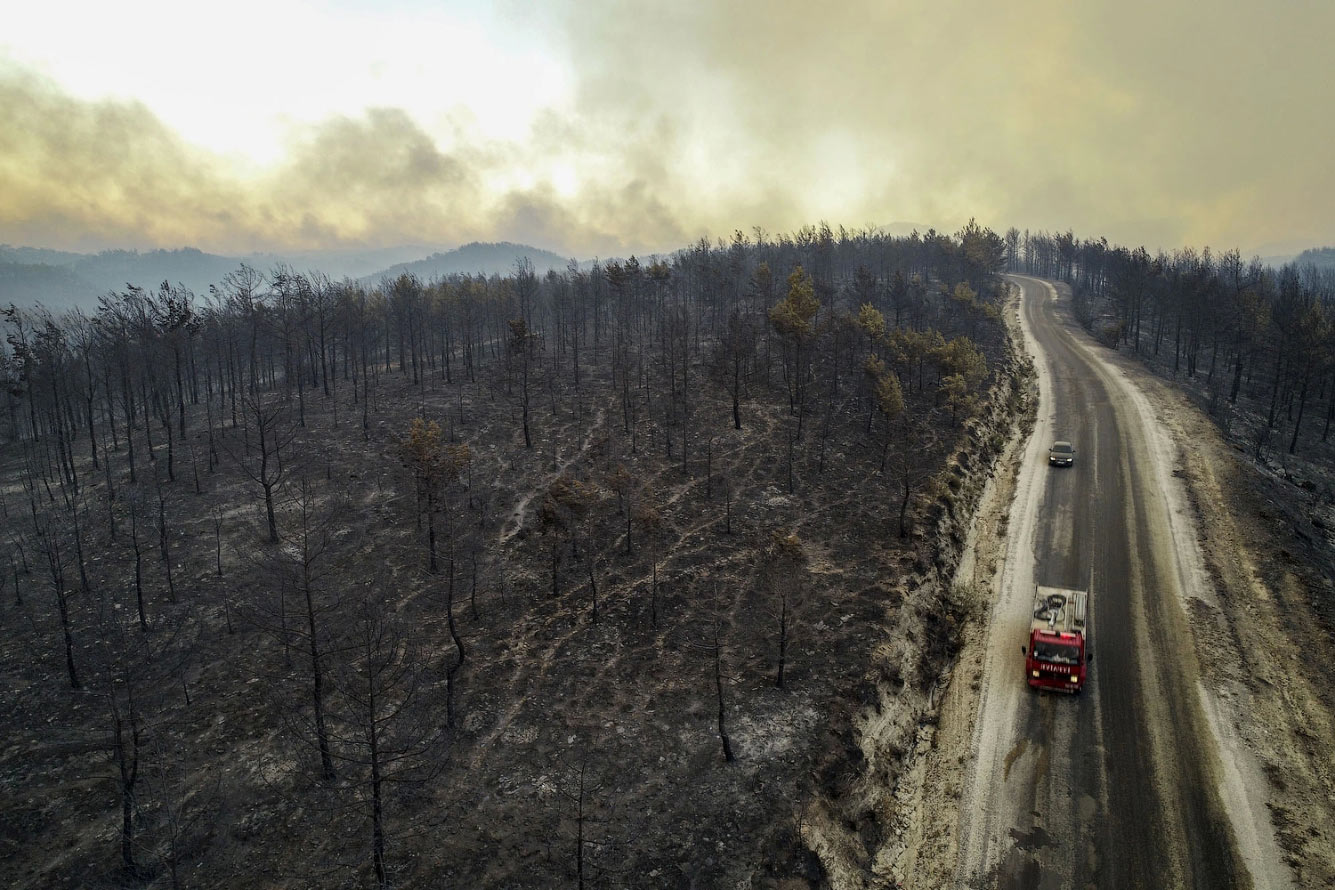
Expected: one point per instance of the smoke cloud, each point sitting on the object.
(1156, 123)
(1160, 123)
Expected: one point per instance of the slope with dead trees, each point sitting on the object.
(606, 458)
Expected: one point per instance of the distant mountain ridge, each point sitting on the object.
(1321, 257)
(116, 269)
(476, 258)
(58, 287)
(62, 280)
(38, 256)
(340, 264)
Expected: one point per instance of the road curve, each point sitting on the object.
(1115, 788)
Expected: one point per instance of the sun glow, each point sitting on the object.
(240, 80)
(564, 179)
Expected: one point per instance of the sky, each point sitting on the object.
(609, 127)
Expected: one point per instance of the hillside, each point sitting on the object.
(339, 264)
(112, 270)
(1321, 257)
(63, 280)
(475, 259)
(651, 593)
(56, 287)
(37, 256)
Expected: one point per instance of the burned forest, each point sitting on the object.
(630, 575)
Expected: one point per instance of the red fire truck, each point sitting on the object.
(1056, 657)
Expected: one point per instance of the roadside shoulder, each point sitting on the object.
(1255, 639)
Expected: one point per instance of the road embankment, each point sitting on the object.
(869, 822)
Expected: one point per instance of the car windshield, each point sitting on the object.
(1063, 447)
(1057, 653)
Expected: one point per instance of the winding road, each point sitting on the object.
(1118, 787)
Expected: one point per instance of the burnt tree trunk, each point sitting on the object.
(718, 685)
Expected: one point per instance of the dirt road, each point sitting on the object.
(1122, 786)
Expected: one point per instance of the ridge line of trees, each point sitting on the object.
(1240, 329)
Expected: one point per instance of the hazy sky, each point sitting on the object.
(611, 126)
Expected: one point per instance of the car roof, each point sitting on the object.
(1061, 444)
